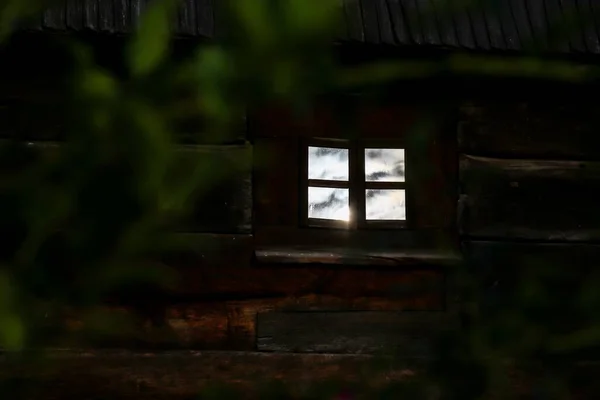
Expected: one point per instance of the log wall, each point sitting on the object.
(529, 180)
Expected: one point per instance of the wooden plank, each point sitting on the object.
(122, 16)
(137, 8)
(586, 13)
(574, 25)
(55, 16)
(205, 18)
(464, 28)
(559, 41)
(399, 24)
(75, 14)
(530, 199)
(370, 22)
(385, 22)
(400, 248)
(509, 27)
(224, 203)
(107, 16)
(480, 32)
(539, 24)
(90, 14)
(138, 375)
(187, 18)
(413, 22)
(224, 272)
(429, 23)
(530, 129)
(492, 19)
(443, 13)
(521, 18)
(354, 22)
(410, 334)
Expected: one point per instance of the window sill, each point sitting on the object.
(385, 249)
(324, 255)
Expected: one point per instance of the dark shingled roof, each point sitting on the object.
(557, 26)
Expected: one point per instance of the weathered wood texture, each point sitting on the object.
(408, 334)
(219, 267)
(367, 248)
(222, 204)
(529, 199)
(531, 129)
(510, 25)
(185, 374)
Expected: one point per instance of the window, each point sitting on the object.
(353, 186)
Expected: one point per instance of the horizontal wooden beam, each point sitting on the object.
(529, 199)
(223, 201)
(408, 334)
(542, 129)
(189, 374)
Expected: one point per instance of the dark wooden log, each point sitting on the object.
(539, 24)
(530, 199)
(409, 334)
(179, 375)
(214, 267)
(223, 203)
(544, 129)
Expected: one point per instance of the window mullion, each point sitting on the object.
(357, 184)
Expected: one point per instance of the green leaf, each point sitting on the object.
(149, 46)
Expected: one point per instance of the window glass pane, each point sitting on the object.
(385, 205)
(328, 203)
(328, 163)
(384, 165)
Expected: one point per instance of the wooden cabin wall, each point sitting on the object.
(222, 292)
(528, 209)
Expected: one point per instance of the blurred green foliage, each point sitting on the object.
(82, 221)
